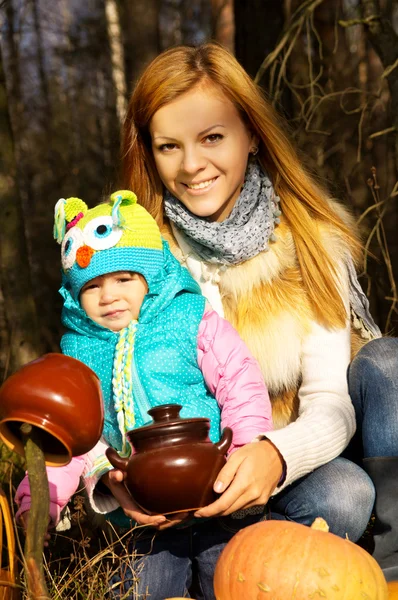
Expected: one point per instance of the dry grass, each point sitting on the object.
(78, 563)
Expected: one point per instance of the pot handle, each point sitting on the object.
(116, 461)
(225, 441)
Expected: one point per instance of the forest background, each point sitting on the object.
(67, 69)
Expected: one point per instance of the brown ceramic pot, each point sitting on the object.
(175, 464)
(61, 397)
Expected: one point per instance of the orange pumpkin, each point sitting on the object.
(281, 560)
(392, 590)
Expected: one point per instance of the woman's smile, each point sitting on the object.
(200, 188)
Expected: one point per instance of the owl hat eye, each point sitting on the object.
(100, 233)
(72, 241)
(118, 235)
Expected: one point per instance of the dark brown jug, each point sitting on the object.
(175, 464)
(61, 397)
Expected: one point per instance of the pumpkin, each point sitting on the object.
(392, 587)
(282, 560)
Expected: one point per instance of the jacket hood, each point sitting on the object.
(171, 280)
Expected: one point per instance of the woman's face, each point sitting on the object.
(201, 147)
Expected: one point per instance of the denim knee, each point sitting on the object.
(373, 387)
(379, 356)
(339, 491)
(349, 515)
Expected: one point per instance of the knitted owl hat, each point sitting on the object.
(119, 235)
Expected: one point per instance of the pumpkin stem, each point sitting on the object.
(320, 525)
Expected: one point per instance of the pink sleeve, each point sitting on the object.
(62, 482)
(235, 379)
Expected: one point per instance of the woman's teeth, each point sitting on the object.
(200, 186)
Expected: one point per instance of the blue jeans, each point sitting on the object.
(374, 390)
(164, 564)
(373, 385)
(340, 492)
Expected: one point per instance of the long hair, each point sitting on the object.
(304, 203)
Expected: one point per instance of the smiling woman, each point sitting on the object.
(200, 147)
(274, 253)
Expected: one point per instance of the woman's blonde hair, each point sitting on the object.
(304, 203)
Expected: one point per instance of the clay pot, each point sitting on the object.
(175, 464)
(61, 397)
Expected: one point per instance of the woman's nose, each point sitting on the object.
(193, 160)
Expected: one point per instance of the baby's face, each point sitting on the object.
(114, 299)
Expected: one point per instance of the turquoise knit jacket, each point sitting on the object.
(164, 365)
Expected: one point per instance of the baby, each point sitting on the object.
(138, 319)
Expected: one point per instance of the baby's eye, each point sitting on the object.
(90, 286)
(101, 233)
(214, 137)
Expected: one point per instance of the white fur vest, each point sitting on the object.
(265, 301)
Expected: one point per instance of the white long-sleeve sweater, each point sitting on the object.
(326, 420)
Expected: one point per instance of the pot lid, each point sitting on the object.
(166, 417)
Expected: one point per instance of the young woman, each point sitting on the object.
(207, 156)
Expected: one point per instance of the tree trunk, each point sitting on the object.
(385, 42)
(196, 21)
(117, 52)
(140, 21)
(22, 343)
(223, 29)
(258, 25)
(185, 22)
(64, 122)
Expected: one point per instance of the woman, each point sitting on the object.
(207, 157)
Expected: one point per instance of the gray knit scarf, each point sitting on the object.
(248, 230)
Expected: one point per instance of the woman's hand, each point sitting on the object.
(114, 480)
(249, 477)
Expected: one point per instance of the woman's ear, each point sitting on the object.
(254, 142)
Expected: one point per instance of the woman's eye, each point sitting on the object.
(214, 137)
(167, 147)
